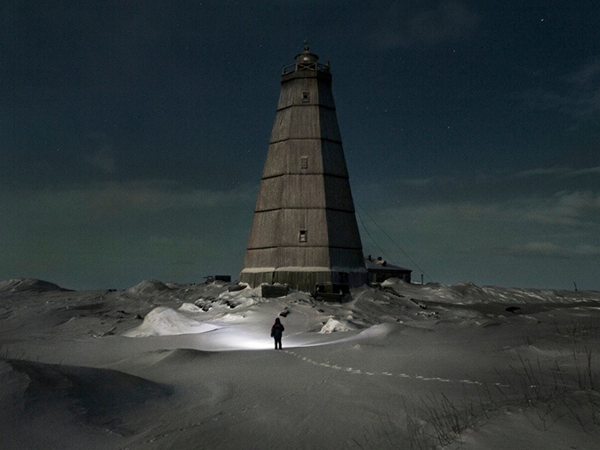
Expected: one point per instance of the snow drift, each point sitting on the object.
(334, 325)
(148, 287)
(470, 293)
(89, 396)
(367, 363)
(29, 285)
(163, 321)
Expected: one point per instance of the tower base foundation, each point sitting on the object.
(305, 281)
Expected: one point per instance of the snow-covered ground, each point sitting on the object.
(400, 366)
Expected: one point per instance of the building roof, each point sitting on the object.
(383, 265)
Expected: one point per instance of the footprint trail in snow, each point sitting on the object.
(388, 374)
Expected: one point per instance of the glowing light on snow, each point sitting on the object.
(228, 335)
(254, 343)
(231, 338)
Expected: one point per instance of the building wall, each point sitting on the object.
(302, 280)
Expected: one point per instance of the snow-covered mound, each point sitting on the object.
(189, 307)
(469, 293)
(166, 357)
(92, 395)
(163, 321)
(334, 325)
(246, 296)
(29, 285)
(228, 300)
(148, 287)
(213, 289)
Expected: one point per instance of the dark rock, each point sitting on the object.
(231, 303)
(236, 287)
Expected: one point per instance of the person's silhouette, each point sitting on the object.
(277, 332)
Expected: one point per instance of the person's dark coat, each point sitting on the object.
(277, 330)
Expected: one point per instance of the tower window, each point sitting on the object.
(305, 97)
(302, 236)
(304, 162)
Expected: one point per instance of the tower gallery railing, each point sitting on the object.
(296, 67)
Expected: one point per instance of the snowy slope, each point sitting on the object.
(401, 366)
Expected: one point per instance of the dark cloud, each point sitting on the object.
(409, 24)
(577, 93)
(587, 74)
(562, 209)
(104, 160)
(557, 172)
(114, 199)
(550, 250)
(118, 233)
(579, 208)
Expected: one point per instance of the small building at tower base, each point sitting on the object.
(380, 270)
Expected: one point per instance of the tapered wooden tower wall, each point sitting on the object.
(304, 231)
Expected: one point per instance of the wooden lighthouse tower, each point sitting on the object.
(304, 232)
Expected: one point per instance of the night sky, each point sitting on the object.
(133, 134)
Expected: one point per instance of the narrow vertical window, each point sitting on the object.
(304, 162)
(305, 97)
(302, 236)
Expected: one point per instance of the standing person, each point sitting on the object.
(277, 332)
